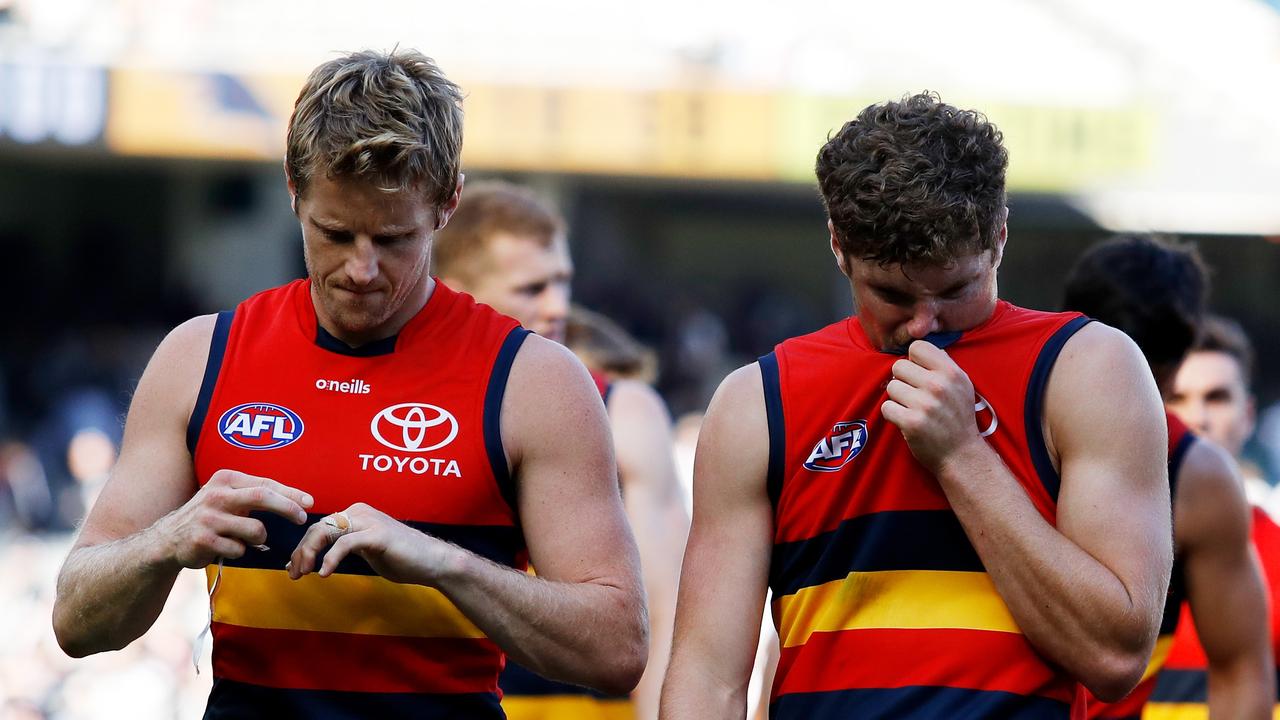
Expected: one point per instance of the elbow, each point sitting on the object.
(63, 630)
(622, 671)
(1112, 676)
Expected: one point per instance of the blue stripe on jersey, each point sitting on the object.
(917, 703)
(1034, 405)
(242, 701)
(889, 540)
(499, 543)
(517, 679)
(777, 426)
(213, 366)
(492, 421)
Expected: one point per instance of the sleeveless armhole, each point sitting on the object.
(492, 421)
(1175, 461)
(777, 426)
(1034, 405)
(217, 349)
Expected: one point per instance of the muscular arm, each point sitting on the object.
(1089, 593)
(726, 565)
(133, 543)
(581, 620)
(651, 496)
(1224, 584)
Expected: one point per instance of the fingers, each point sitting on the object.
(929, 356)
(267, 494)
(246, 530)
(344, 546)
(246, 493)
(324, 534)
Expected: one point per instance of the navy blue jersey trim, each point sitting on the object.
(1175, 461)
(502, 544)
(385, 346)
(608, 393)
(519, 681)
(1034, 406)
(887, 540)
(1182, 686)
(217, 348)
(917, 702)
(244, 701)
(777, 426)
(941, 340)
(492, 422)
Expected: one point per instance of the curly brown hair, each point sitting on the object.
(392, 118)
(915, 181)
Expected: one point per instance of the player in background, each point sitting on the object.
(1212, 394)
(1154, 291)
(508, 249)
(961, 506)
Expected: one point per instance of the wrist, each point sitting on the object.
(963, 461)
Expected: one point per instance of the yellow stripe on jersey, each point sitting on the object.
(1163, 644)
(566, 707)
(894, 599)
(360, 604)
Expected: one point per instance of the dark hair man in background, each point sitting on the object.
(368, 457)
(1155, 291)
(1212, 393)
(507, 248)
(960, 505)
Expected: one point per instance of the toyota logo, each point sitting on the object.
(415, 422)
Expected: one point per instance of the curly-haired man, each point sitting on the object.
(365, 460)
(960, 505)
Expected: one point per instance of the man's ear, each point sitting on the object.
(1001, 238)
(446, 211)
(835, 249)
(293, 189)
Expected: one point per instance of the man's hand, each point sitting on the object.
(214, 523)
(394, 550)
(931, 402)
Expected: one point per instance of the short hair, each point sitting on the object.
(1151, 288)
(1224, 335)
(392, 118)
(914, 181)
(486, 209)
(602, 345)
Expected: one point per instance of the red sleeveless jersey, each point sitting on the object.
(409, 425)
(529, 696)
(1182, 687)
(882, 605)
(1130, 707)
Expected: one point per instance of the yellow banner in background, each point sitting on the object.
(714, 134)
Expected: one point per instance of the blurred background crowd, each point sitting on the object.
(140, 184)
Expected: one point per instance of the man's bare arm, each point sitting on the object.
(143, 530)
(726, 565)
(582, 619)
(1089, 593)
(1224, 584)
(652, 497)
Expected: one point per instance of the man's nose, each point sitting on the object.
(555, 302)
(362, 262)
(924, 320)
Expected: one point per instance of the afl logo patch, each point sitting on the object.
(841, 445)
(414, 427)
(260, 426)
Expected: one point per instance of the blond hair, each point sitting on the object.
(487, 209)
(392, 118)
